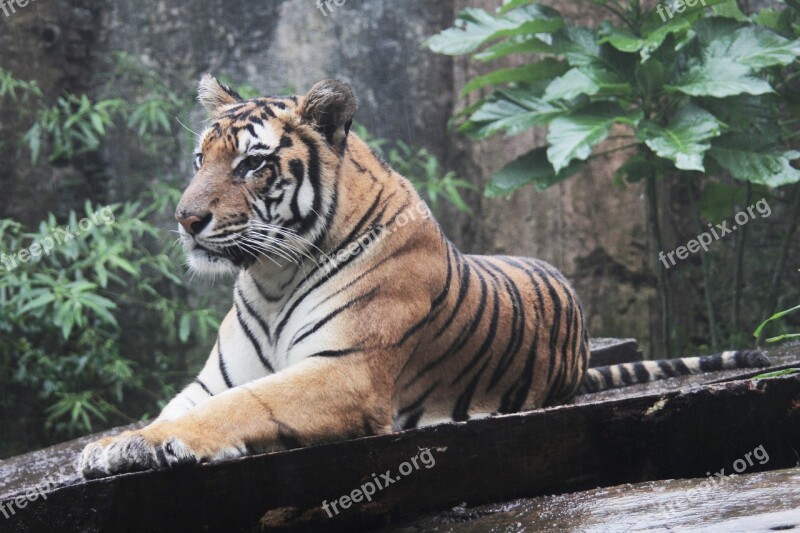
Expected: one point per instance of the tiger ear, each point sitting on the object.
(329, 107)
(213, 95)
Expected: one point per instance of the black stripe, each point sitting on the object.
(298, 170)
(314, 177)
(252, 338)
(711, 363)
(641, 372)
(204, 387)
(590, 382)
(681, 368)
(366, 296)
(287, 315)
(517, 329)
(461, 409)
(625, 375)
(447, 280)
(262, 324)
(412, 421)
(348, 285)
(490, 334)
(222, 367)
(416, 404)
(336, 353)
(366, 217)
(608, 377)
(412, 330)
(462, 338)
(667, 369)
(514, 398)
(462, 293)
(557, 312)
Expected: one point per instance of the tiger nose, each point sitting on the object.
(194, 224)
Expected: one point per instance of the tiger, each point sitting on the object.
(353, 314)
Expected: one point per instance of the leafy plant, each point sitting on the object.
(422, 169)
(65, 312)
(97, 331)
(708, 91)
(786, 336)
(692, 92)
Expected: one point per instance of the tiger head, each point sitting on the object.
(265, 170)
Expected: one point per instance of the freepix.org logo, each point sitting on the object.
(9, 7)
(325, 5)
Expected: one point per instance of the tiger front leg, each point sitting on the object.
(321, 399)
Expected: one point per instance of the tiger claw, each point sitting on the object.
(132, 452)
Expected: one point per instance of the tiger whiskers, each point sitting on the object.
(289, 234)
(292, 242)
(256, 249)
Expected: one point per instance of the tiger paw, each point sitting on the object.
(134, 451)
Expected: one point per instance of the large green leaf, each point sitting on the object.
(752, 46)
(731, 56)
(578, 45)
(511, 111)
(475, 27)
(739, 155)
(542, 70)
(585, 80)
(573, 136)
(685, 140)
(623, 40)
(720, 77)
(528, 44)
(532, 167)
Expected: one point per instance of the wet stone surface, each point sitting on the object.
(761, 502)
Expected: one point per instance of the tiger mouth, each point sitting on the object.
(235, 254)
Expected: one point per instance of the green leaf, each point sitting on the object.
(776, 316)
(731, 56)
(184, 329)
(620, 38)
(532, 167)
(508, 5)
(737, 154)
(573, 136)
(531, 44)
(100, 306)
(511, 111)
(542, 70)
(475, 27)
(684, 140)
(34, 139)
(585, 80)
(39, 301)
(779, 373)
(578, 45)
(755, 47)
(720, 78)
(97, 123)
(731, 10)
